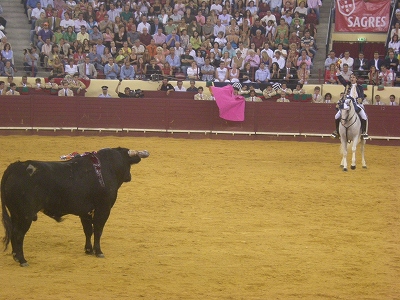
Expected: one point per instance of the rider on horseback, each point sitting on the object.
(355, 92)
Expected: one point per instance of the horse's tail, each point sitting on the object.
(5, 215)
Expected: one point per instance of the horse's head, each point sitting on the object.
(347, 109)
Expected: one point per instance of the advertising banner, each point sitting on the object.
(362, 15)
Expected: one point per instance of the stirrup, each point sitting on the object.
(335, 135)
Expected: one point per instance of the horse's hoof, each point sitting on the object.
(364, 167)
(100, 255)
(353, 167)
(25, 264)
(345, 169)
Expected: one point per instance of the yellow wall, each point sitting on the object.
(94, 89)
(347, 37)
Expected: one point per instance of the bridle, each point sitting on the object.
(352, 119)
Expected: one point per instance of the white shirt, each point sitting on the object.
(177, 89)
(142, 25)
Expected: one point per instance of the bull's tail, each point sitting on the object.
(5, 216)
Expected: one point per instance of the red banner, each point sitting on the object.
(362, 15)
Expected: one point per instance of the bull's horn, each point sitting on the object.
(141, 154)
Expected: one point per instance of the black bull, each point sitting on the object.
(85, 186)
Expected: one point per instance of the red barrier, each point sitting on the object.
(168, 115)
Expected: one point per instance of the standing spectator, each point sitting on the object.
(104, 93)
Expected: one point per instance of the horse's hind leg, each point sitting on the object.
(364, 164)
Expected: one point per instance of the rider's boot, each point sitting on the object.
(364, 133)
(335, 134)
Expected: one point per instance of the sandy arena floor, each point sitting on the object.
(212, 219)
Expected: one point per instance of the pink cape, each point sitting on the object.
(231, 107)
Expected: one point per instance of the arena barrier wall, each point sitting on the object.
(162, 115)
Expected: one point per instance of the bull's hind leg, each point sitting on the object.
(20, 228)
(88, 230)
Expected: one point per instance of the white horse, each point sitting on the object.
(350, 133)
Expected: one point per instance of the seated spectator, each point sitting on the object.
(284, 88)
(253, 97)
(246, 74)
(331, 59)
(165, 86)
(200, 95)
(179, 86)
(299, 89)
(316, 96)
(192, 87)
(127, 71)
(328, 98)
(373, 76)
(346, 59)
(283, 98)
(111, 70)
(252, 58)
(307, 39)
(234, 74)
(186, 61)
(87, 69)
(173, 60)
(301, 9)
(13, 90)
(65, 91)
(75, 83)
(376, 61)
(360, 66)
(221, 73)
(145, 38)
(262, 74)
(67, 22)
(391, 61)
(166, 71)
(159, 37)
(330, 75)
(58, 68)
(276, 74)
(31, 59)
(395, 44)
(269, 92)
(386, 76)
(346, 72)
(138, 48)
(279, 60)
(152, 69)
(207, 71)
(8, 69)
(304, 58)
(392, 100)
(140, 69)
(378, 100)
(314, 6)
(51, 84)
(193, 72)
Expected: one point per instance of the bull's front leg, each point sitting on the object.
(87, 221)
(99, 220)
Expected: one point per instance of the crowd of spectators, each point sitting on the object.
(382, 69)
(225, 41)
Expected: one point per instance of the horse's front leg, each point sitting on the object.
(344, 155)
(353, 156)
